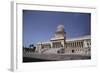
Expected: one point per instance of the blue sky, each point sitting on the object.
(41, 25)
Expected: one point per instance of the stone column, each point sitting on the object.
(51, 44)
(63, 43)
(85, 44)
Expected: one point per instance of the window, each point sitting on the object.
(73, 51)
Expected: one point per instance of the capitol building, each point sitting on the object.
(59, 44)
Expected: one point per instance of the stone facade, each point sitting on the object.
(60, 45)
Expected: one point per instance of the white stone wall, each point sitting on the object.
(80, 47)
(77, 47)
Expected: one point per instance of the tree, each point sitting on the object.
(31, 46)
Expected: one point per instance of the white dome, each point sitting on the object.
(60, 28)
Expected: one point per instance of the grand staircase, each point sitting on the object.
(51, 51)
